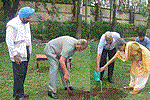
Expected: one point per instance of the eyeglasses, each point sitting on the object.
(28, 18)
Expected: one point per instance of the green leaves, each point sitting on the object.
(2, 31)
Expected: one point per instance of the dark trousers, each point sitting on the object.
(103, 61)
(19, 74)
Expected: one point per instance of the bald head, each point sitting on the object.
(81, 44)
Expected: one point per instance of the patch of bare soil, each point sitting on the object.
(75, 95)
(107, 93)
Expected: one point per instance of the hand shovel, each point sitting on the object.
(69, 91)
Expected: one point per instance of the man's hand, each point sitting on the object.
(68, 67)
(97, 69)
(66, 76)
(17, 59)
(101, 69)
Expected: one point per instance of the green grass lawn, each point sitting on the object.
(36, 84)
(83, 64)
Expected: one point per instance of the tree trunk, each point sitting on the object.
(14, 8)
(131, 14)
(100, 10)
(86, 15)
(110, 9)
(74, 8)
(10, 12)
(148, 21)
(85, 10)
(53, 5)
(7, 9)
(96, 11)
(114, 21)
(79, 20)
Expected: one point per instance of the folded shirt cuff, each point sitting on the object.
(15, 53)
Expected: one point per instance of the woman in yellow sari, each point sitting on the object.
(140, 68)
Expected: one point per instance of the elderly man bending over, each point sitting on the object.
(106, 45)
(57, 52)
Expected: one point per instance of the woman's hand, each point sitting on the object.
(97, 69)
(101, 69)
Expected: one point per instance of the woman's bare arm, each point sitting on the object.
(108, 63)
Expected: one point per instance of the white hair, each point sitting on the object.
(108, 34)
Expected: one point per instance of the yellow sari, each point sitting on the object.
(131, 52)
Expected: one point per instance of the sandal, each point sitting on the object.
(134, 92)
(128, 87)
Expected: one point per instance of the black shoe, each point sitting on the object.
(110, 80)
(71, 88)
(101, 78)
(22, 98)
(25, 96)
(52, 95)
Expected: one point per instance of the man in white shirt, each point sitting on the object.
(18, 40)
(106, 45)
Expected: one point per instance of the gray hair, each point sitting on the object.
(108, 34)
(119, 42)
(83, 42)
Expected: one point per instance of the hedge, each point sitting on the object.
(48, 29)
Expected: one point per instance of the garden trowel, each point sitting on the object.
(69, 91)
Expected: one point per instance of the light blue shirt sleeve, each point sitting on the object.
(136, 40)
(116, 35)
(101, 44)
(148, 43)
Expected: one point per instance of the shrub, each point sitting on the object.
(2, 31)
(49, 29)
(98, 28)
